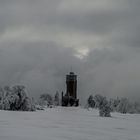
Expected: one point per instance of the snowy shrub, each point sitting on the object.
(1, 94)
(98, 100)
(123, 106)
(102, 104)
(91, 102)
(104, 108)
(46, 100)
(137, 107)
(28, 105)
(15, 98)
(5, 105)
(114, 104)
(56, 99)
(42, 102)
(39, 107)
(131, 108)
(126, 106)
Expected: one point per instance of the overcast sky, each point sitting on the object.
(41, 40)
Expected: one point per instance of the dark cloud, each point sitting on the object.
(41, 40)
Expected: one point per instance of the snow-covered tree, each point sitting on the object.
(46, 99)
(98, 100)
(102, 104)
(91, 102)
(56, 99)
(114, 104)
(1, 94)
(123, 106)
(15, 98)
(137, 107)
(104, 108)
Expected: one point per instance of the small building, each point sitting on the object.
(70, 98)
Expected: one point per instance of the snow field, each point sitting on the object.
(68, 124)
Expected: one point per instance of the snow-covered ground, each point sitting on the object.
(68, 124)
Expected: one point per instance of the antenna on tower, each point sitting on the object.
(71, 69)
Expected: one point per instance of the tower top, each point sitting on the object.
(71, 77)
(71, 73)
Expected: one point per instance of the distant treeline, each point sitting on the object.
(122, 105)
(16, 98)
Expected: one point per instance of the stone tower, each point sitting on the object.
(70, 98)
(71, 82)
